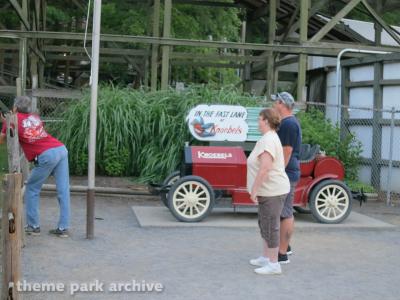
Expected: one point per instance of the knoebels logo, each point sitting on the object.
(213, 155)
(218, 123)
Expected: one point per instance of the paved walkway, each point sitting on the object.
(206, 263)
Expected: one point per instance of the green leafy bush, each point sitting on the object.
(115, 160)
(317, 130)
(359, 186)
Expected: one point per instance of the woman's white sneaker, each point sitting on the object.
(260, 261)
(269, 269)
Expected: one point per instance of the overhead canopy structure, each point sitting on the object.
(295, 30)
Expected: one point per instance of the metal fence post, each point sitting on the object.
(389, 179)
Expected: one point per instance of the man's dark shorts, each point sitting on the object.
(287, 211)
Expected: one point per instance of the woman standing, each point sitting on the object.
(268, 186)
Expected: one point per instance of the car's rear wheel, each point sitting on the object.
(330, 201)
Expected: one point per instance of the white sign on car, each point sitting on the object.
(218, 123)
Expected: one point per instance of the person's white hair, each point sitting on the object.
(23, 104)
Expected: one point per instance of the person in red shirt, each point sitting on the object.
(50, 157)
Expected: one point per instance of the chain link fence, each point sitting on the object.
(52, 103)
(6, 102)
(378, 134)
(52, 109)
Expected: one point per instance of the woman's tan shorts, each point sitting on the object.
(269, 212)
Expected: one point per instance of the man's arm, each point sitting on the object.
(287, 153)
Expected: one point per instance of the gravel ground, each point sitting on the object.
(209, 263)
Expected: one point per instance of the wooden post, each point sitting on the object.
(43, 26)
(377, 26)
(242, 51)
(166, 49)
(23, 48)
(302, 71)
(35, 80)
(13, 144)
(12, 214)
(24, 164)
(377, 114)
(377, 127)
(154, 47)
(12, 234)
(2, 58)
(271, 58)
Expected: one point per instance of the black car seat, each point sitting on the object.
(308, 152)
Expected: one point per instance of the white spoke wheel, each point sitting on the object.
(191, 199)
(170, 180)
(330, 201)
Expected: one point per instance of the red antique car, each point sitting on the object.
(208, 172)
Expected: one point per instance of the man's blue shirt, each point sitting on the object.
(290, 135)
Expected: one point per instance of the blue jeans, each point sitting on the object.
(54, 162)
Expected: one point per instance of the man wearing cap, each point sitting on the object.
(50, 157)
(290, 135)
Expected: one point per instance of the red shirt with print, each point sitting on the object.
(34, 140)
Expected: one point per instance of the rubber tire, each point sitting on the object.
(312, 201)
(302, 210)
(170, 177)
(177, 185)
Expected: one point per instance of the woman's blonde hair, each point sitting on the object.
(272, 117)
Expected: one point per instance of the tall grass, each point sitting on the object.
(139, 133)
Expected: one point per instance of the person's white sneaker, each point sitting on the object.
(260, 261)
(269, 269)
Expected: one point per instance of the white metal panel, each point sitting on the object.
(363, 73)
(395, 179)
(331, 80)
(385, 147)
(361, 97)
(367, 30)
(391, 98)
(364, 135)
(364, 174)
(317, 62)
(331, 113)
(391, 71)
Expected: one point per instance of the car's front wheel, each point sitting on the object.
(191, 199)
